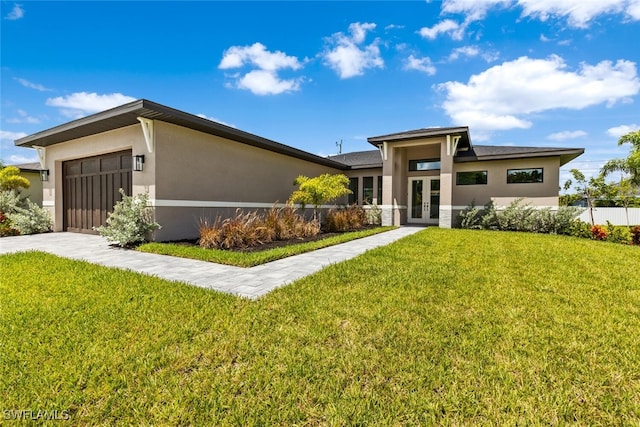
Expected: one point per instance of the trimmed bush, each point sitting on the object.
(130, 222)
(10, 200)
(525, 218)
(374, 215)
(580, 229)
(6, 227)
(31, 220)
(621, 234)
(22, 216)
(519, 217)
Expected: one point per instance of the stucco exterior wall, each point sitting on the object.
(537, 194)
(202, 176)
(129, 137)
(34, 192)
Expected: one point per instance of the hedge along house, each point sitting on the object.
(195, 168)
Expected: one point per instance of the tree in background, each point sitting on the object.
(630, 165)
(319, 190)
(590, 189)
(10, 179)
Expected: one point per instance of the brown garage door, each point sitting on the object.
(91, 189)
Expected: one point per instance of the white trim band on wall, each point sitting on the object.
(221, 204)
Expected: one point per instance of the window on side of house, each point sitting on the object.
(471, 178)
(524, 176)
(424, 165)
(380, 189)
(367, 190)
(353, 186)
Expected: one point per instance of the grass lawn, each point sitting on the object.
(446, 327)
(250, 259)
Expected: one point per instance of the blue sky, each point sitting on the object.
(307, 74)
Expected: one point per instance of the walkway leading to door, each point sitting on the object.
(247, 282)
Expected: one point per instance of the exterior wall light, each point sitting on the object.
(138, 162)
(44, 175)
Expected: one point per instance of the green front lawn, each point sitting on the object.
(250, 259)
(445, 327)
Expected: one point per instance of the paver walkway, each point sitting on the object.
(247, 282)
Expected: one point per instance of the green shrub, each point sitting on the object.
(31, 220)
(618, 234)
(130, 222)
(518, 217)
(22, 216)
(565, 216)
(6, 227)
(515, 217)
(10, 200)
(471, 218)
(374, 215)
(580, 229)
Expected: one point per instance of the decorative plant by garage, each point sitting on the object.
(130, 222)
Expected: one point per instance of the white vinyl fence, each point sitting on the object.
(616, 216)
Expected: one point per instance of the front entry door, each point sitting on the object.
(424, 200)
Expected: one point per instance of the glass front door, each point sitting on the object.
(424, 200)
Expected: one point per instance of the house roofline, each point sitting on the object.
(565, 154)
(127, 114)
(418, 133)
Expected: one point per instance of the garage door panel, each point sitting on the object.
(91, 189)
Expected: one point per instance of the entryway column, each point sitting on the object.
(447, 151)
(387, 153)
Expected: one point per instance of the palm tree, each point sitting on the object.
(630, 165)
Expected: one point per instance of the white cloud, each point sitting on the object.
(11, 136)
(213, 119)
(347, 57)
(567, 134)
(16, 13)
(473, 9)
(448, 26)
(31, 85)
(393, 27)
(618, 131)
(257, 55)
(578, 13)
(264, 80)
(80, 104)
(502, 96)
(23, 118)
(633, 10)
(472, 51)
(469, 51)
(420, 64)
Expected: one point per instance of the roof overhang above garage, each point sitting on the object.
(131, 113)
